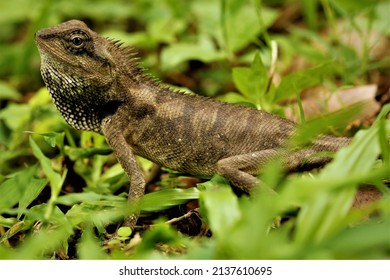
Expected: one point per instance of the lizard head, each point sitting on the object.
(78, 68)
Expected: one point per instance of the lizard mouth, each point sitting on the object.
(46, 52)
(41, 38)
(48, 46)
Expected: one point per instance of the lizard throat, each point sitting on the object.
(78, 102)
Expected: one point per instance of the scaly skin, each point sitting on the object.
(98, 86)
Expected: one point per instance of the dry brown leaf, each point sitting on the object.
(318, 101)
(376, 45)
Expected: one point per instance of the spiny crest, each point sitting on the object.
(128, 52)
(128, 57)
(131, 57)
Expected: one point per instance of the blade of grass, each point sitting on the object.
(55, 179)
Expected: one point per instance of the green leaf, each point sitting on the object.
(16, 116)
(124, 231)
(89, 248)
(217, 181)
(8, 92)
(55, 179)
(10, 193)
(164, 199)
(221, 210)
(41, 98)
(252, 81)
(79, 153)
(35, 187)
(161, 233)
(326, 211)
(357, 158)
(321, 125)
(54, 139)
(323, 215)
(18, 188)
(233, 97)
(361, 242)
(293, 84)
(204, 51)
(42, 244)
(238, 32)
(39, 213)
(73, 198)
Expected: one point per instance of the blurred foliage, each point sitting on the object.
(63, 188)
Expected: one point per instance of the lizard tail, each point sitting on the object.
(331, 144)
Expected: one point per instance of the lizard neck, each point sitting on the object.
(79, 100)
(139, 91)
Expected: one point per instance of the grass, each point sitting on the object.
(62, 191)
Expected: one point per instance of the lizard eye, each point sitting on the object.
(77, 41)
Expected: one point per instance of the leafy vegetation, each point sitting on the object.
(62, 192)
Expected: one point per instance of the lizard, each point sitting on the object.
(98, 85)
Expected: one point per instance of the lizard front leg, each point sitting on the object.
(125, 156)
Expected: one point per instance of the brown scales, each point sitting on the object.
(97, 85)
